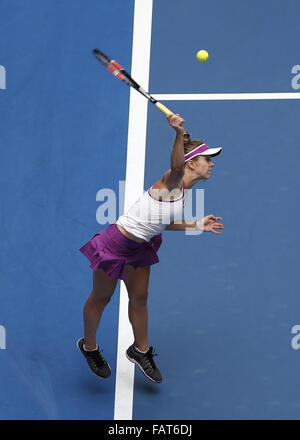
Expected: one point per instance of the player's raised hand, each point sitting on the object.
(176, 121)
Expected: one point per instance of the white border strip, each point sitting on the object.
(224, 96)
(134, 187)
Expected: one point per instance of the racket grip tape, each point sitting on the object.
(164, 109)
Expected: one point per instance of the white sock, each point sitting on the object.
(140, 351)
(94, 349)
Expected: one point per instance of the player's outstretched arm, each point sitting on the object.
(207, 224)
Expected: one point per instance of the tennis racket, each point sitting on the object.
(119, 72)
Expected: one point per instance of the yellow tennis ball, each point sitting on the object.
(202, 56)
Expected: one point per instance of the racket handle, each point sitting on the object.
(164, 109)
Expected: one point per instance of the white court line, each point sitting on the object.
(134, 187)
(223, 96)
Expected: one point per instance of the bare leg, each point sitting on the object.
(136, 282)
(103, 289)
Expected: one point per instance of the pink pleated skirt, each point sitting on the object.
(112, 251)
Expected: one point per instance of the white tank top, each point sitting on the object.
(148, 216)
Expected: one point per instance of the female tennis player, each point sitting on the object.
(126, 249)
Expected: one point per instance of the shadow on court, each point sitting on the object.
(144, 385)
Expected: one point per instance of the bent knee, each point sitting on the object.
(138, 298)
(101, 297)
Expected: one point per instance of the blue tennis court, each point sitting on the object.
(221, 308)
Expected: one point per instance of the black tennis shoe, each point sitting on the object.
(145, 362)
(95, 360)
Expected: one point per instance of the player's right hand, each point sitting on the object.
(176, 121)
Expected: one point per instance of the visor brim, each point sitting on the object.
(212, 152)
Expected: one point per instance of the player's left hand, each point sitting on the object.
(209, 224)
